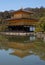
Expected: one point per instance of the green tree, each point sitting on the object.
(42, 23)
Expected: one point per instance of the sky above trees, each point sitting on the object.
(17, 4)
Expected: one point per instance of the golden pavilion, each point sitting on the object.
(21, 21)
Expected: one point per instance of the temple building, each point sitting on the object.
(21, 21)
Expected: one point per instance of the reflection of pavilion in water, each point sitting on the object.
(22, 49)
(21, 53)
(23, 39)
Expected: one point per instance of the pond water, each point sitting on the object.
(22, 50)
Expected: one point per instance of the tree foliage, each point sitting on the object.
(42, 23)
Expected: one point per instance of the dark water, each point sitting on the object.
(22, 50)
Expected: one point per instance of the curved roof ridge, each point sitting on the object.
(22, 10)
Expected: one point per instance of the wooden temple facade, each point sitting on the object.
(21, 21)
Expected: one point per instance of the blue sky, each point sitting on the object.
(17, 4)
